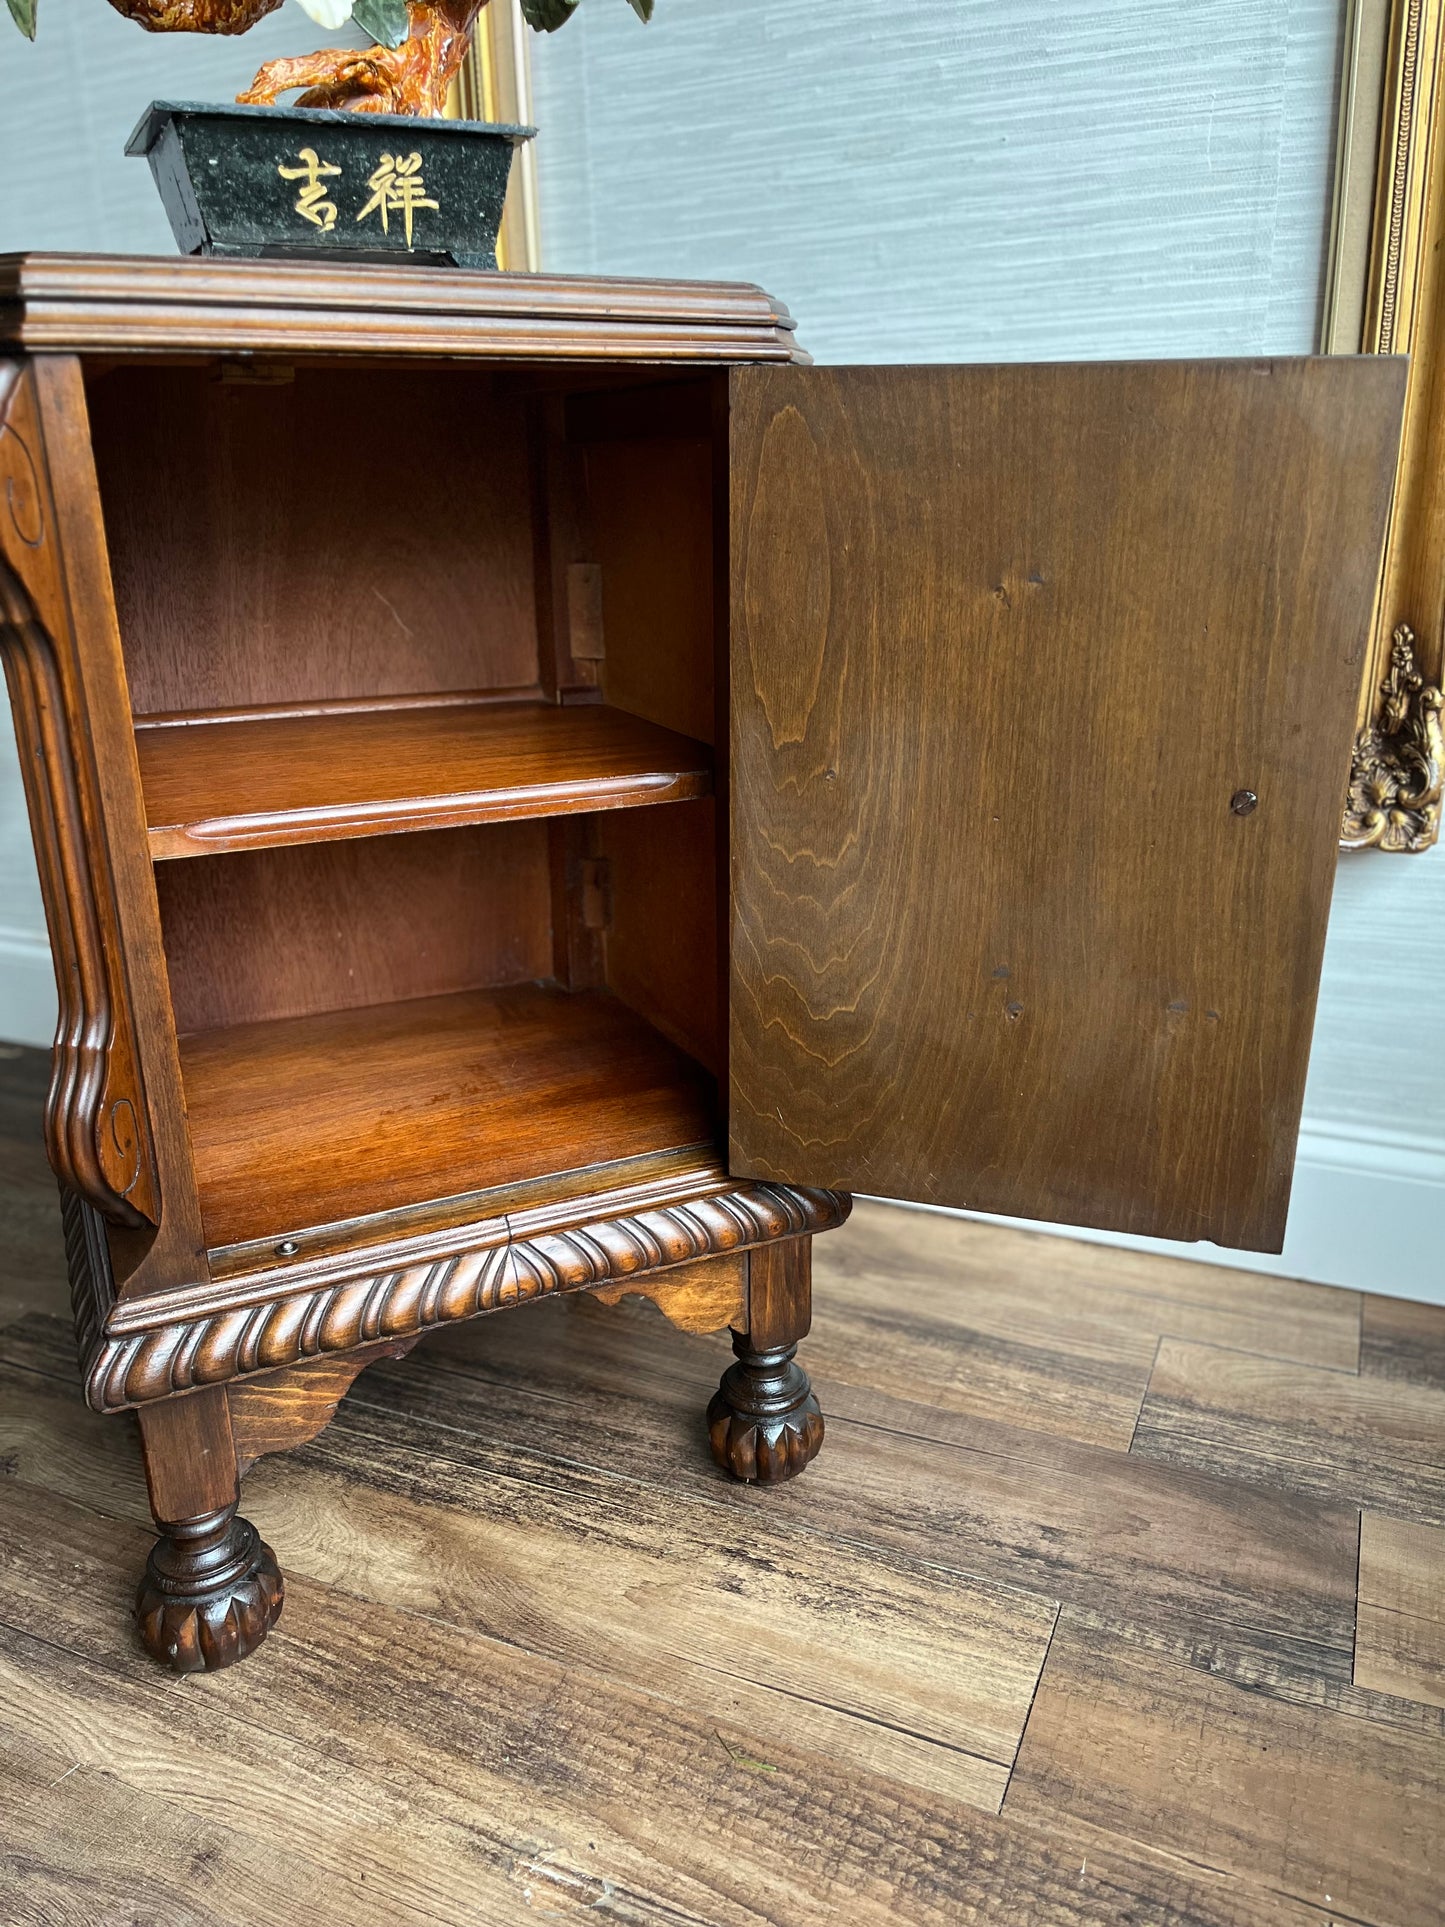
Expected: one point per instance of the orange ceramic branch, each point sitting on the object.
(410, 79)
(196, 16)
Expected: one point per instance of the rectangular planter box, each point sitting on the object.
(321, 184)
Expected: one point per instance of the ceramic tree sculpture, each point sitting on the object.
(419, 45)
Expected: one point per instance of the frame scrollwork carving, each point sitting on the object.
(95, 1119)
(1396, 773)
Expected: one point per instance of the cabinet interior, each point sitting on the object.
(421, 661)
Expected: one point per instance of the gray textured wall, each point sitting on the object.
(68, 104)
(992, 180)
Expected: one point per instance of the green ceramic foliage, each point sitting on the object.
(385, 20)
(546, 16)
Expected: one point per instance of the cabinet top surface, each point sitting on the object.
(139, 304)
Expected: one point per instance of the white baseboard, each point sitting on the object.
(1367, 1213)
(27, 989)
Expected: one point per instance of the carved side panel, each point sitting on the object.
(96, 1128)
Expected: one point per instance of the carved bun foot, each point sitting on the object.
(763, 1422)
(211, 1593)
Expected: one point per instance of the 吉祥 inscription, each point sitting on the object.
(396, 186)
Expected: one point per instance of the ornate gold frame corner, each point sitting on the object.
(495, 83)
(1395, 774)
(1386, 295)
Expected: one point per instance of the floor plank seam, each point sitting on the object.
(1359, 1554)
(1360, 1338)
(1033, 1700)
(1267, 1358)
(1046, 1462)
(1265, 1458)
(1090, 1619)
(847, 1712)
(1144, 1396)
(478, 1375)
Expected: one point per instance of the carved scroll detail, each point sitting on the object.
(1399, 762)
(87, 1259)
(181, 1355)
(95, 1132)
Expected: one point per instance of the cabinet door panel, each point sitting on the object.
(1011, 650)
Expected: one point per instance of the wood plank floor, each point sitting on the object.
(1114, 1597)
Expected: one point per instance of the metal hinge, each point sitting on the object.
(596, 893)
(584, 612)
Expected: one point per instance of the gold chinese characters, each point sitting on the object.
(396, 186)
(312, 204)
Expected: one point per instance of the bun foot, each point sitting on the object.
(763, 1422)
(211, 1593)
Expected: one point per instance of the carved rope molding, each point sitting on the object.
(95, 1132)
(1399, 762)
(180, 1356)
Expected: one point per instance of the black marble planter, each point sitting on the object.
(318, 184)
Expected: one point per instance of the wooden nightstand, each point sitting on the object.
(537, 789)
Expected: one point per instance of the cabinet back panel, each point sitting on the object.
(332, 926)
(651, 511)
(346, 533)
(649, 462)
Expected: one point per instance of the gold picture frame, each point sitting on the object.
(495, 84)
(1385, 294)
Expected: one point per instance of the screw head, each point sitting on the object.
(287, 1248)
(1243, 801)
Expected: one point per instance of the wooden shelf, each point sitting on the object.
(257, 781)
(317, 1120)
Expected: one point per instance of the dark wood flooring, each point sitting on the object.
(1117, 1595)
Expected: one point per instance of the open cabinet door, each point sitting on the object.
(1042, 685)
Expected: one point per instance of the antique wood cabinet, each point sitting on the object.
(539, 789)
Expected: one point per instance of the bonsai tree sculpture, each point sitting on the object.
(420, 44)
